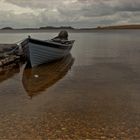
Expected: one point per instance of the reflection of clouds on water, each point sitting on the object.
(42, 77)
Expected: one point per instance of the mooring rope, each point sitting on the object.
(18, 42)
(18, 45)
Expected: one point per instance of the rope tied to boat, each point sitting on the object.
(18, 47)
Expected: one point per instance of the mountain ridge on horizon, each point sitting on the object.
(129, 26)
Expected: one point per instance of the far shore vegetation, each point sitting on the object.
(133, 26)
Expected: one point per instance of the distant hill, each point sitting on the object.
(7, 28)
(28, 29)
(120, 27)
(61, 27)
(76, 29)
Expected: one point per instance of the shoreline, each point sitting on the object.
(57, 30)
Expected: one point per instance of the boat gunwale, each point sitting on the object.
(50, 43)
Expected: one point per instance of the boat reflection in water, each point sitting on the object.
(8, 71)
(38, 79)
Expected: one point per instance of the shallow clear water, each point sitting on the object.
(92, 93)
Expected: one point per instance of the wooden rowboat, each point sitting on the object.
(38, 51)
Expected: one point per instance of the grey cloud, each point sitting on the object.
(128, 6)
(35, 3)
(80, 13)
(23, 20)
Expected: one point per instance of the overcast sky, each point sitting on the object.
(76, 13)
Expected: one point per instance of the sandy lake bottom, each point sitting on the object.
(94, 93)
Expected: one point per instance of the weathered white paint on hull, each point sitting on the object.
(40, 54)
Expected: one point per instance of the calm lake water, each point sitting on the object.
(94, 93)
